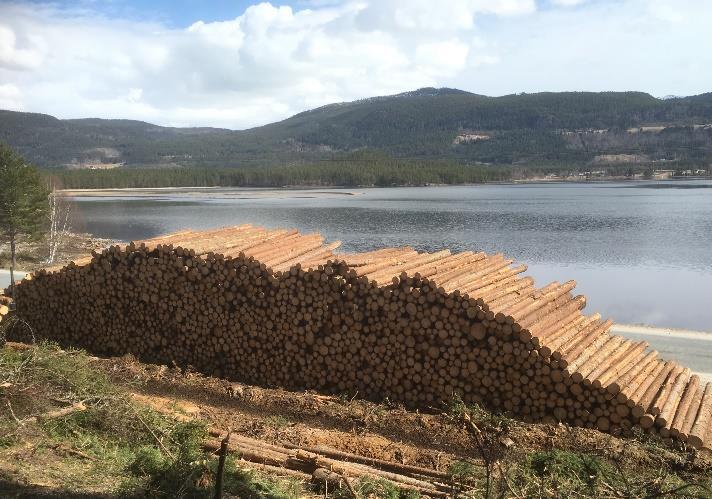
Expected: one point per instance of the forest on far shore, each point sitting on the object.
(359, 169)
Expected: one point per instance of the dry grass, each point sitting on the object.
(114, 446)
(120, 446)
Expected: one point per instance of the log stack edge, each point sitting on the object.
(4, 307)
(280, 308)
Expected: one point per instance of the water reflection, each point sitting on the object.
(641, 255)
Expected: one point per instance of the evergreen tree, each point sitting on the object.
(23, 202)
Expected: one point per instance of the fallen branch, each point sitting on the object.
(64, 411)
(158, 440)
(377, 463)
(72, 451)
(349, 486)
(275, 470)
(307, 462)
(335, 454)
(12, 413)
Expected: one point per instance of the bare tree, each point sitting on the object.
(59, 222)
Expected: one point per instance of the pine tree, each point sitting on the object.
(23, 202)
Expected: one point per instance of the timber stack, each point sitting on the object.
(4, 306)
(279, 308)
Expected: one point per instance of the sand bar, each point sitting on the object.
(690, 348)
(212, 192)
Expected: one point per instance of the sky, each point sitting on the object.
(240, 63)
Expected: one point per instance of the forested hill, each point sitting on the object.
(570, 127)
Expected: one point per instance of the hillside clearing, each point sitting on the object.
(110, 449)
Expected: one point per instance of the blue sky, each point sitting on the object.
(183, 13)
(173, 13)
(242, 63)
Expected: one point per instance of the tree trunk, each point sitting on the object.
(12, 267)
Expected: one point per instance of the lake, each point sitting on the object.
(640, 251)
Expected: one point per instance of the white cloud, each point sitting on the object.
(655, 46)
(13, 55)
(262, 66)
(444, 15)
(568, 3)
(134, 95)
(444, 58)
(10, 97)
(272, 62)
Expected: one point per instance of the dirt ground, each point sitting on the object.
(382, 431)
(32, 254)
(38, 461)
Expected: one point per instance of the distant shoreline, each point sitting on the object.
(661, 331)
(334, 190)
(220, 191)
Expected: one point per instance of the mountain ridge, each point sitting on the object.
(428, 123)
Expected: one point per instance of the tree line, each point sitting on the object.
(364, 170)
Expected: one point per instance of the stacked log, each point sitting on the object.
(321, 462)
(275, 307)
(4, 306)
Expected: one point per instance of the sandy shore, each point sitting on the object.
(690, 348)
(213, 192)
(661, 331)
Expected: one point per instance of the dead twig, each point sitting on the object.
(12, 413)
(158, 440)
(72, 451)
(13, 321)
(678, 489)
(505, 479)
(65, 411)
(481, 447)
(349, 486)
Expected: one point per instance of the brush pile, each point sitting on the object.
(278, 308)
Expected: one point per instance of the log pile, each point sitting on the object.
(4, 306)
(333, 466)
(279, 308)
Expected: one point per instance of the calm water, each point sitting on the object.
(641, 252)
